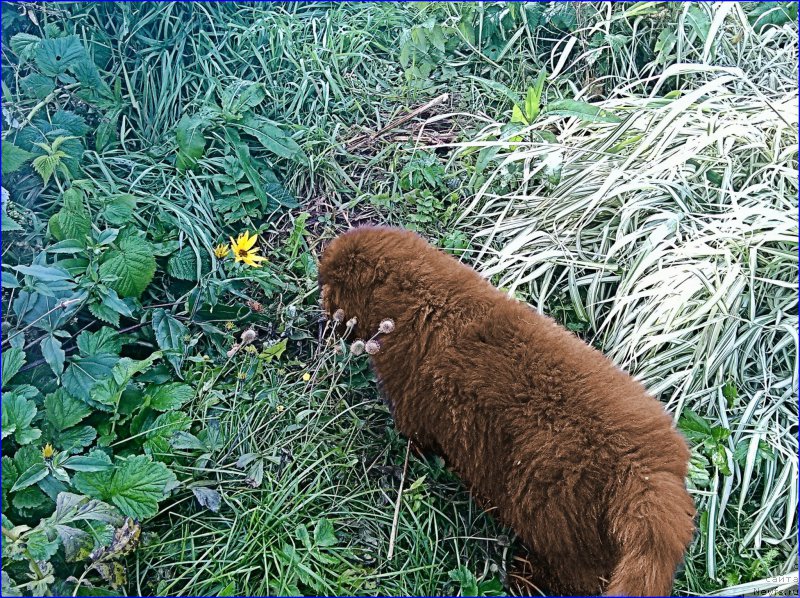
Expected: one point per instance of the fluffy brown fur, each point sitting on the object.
(578, 459)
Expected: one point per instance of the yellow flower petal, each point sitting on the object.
(247, 242)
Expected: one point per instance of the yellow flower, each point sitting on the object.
(244, 250)
(48, 451)
(221, 251)
(229, 326)
(306, 377)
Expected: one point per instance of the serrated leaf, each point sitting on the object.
(72, 221)
(14, 157)
(135, 487)
(53, 354)
(24, 45)
(104, 313)
(130, 267)
(75, 439)
(281, 195)
(18, 413)
(170, 396)
(169, 332)
(13, 360)
(39, 546)
(63, 411)
(104, 341)
(37, 86)
(55, 56)
(691, 424)
(208, 498)
(9, 225)
(581, 110)
(36, 472)
(183, 265)
(119, 209)
(83, 373)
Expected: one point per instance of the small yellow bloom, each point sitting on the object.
(244, 249)
(306, 377)
(229, 326)
(251, 349)
(221, 251)
(48, 451)
(280, 408)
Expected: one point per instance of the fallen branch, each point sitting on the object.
(361, 139)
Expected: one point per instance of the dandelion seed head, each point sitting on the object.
(372, 347)
(338, 316)
(357, 347)
(249, 335)
(386, 326)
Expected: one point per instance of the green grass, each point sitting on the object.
(662, 229)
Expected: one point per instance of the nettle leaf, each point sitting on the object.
(104, 313)
(169, 333)
(18, 413)
(55, 56)
(170, 396)
(135, 487)
(53, 354)
(24, 45)
(119, 209)
(13, 360)
(183, 265)
(14, 157)
(130, 267)
(37, 86)
(102, 342)
(694, 426)
(72, 221)
(63, 411)
(109, 391)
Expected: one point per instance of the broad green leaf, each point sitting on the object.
(63, 411)
(129, 268)
(74, 507)
(581, 110)
(44, 273)
(119, 209)
(83, 373)
(14, 157)
(183, 264)
(517, 116)
(191, 140)
(109, 390)
(104, 313)
(13, 360)
(169, 332)
(24, 45)
(74, 440)
(70, 246)
(37, 86)
(55, 56)
(72, 221)
(324, 534)
(281, 195)
(241, 96)
(39, 546)
(9, 225)
(135, 487)
(533, 100)
(18, 413)
(53, 354)
(87, 463)
(271, 136)
(170, 396)
(30, 476)
(692, 424)
(104, 341)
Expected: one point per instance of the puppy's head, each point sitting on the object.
(354, 267)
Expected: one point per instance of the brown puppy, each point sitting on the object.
(578, 459)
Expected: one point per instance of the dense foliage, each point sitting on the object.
(177, 418)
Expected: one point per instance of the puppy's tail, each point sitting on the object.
(651, 518)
